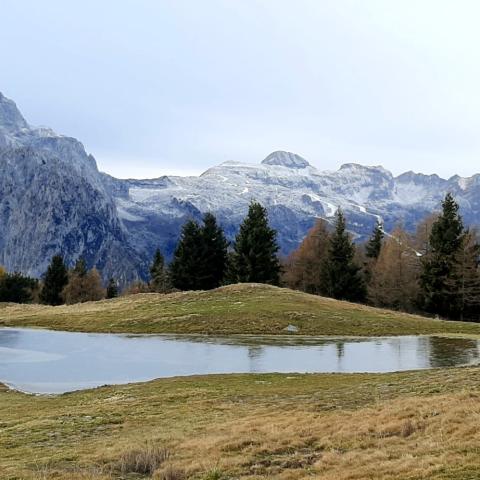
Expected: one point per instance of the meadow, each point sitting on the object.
(409, 425)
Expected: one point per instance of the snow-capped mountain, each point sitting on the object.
(54, 199)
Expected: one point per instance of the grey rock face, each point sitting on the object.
(286, 159)
(53, 199)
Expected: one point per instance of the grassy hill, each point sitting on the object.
(235, 309)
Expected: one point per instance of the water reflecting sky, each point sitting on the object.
(42, 361)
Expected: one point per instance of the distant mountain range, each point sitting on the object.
(53, 199)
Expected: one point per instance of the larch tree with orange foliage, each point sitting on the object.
(303, 266)
(394, 276)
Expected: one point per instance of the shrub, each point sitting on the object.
(83, 287)
(142, 460)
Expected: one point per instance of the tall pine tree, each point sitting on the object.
(159, 281)
(439, 280)
(56, 278)
(340, 276)
(374, 244)
(187, 258)
(254, 258)
(214, 254)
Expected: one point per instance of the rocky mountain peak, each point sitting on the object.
(357, 168)
(286, 159)
(10, 117)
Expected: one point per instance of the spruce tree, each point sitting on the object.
(254, 257)
(159, 281)
(80, 267)
(187, 258)
(374, 244)
(56, 278)
(467, 276)
(112, 289)
(340, 276)
(212, 268)
(439, 280)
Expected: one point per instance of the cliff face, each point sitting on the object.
(53, 200)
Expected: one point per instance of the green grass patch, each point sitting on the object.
(236, 309)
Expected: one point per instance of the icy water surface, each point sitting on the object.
(43, 361)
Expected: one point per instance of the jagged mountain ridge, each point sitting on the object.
(54, 199)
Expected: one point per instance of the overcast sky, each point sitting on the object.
(174, 86)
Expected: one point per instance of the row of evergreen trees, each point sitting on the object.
(60, 285)
(435, 270)
(202, 259)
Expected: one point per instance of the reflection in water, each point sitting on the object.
(255, 353)
(43, 361)
(445, 353)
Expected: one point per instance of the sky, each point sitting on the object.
(154, 87)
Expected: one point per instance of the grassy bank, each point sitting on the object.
(236, 309)
(410, 425)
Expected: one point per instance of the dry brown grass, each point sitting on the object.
(409, 425)
(169, 473)
(407, 438)
(142, 459)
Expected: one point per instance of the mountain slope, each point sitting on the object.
(54, 199)
(295, 193)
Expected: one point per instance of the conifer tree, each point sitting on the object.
(439, 281)
(467, 278)
(213, 265)
(17, 288)
(254, 257)
(80, 267)
(374, 244)
(56, 278)
(340, 276)
(187, 258)
(159, 281)
(112, 289)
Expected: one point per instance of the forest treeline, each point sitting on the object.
(434, 271)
